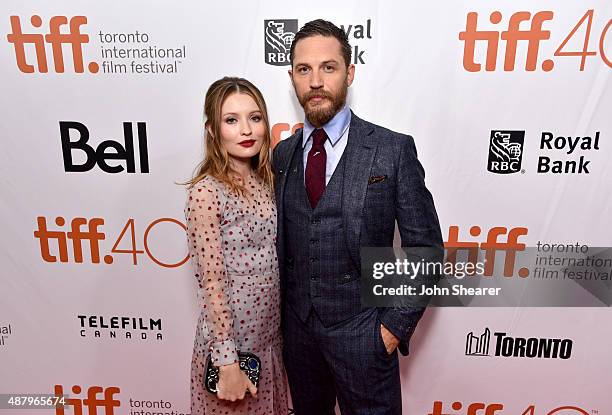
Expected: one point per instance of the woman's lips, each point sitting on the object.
(247, 143)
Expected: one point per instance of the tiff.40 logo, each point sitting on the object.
(54, 243)
(56, 39)
(481, 408)
(533, 36)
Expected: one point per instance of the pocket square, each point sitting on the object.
(377, 179)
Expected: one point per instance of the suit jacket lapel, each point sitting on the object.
(360, 152)
(281, 178)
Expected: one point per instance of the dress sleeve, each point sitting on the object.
(204, 214)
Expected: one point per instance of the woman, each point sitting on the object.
(231, 231)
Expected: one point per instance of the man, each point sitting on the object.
(341, 183)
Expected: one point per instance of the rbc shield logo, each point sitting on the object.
(505, 151)
(278, 36)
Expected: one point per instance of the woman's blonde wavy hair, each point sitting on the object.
(216, 161)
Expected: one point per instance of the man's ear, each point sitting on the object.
(350, 75)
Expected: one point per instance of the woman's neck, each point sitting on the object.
(242, 167)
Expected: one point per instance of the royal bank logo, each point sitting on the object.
(278, 36)
(505, 151)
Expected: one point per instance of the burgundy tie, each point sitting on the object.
(315, 167)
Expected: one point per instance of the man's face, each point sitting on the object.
(320, 78)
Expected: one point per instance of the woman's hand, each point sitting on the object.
(233, 383)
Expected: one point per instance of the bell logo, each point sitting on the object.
(56, 39)
(92, 402)
(476, 408)
(106, 150)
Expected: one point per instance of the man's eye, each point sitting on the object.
(329, 68)
(303, 70)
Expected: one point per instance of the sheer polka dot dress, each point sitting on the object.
(232, 247)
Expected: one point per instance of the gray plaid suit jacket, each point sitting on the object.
(383, 183)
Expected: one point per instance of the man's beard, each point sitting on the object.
(319, 115)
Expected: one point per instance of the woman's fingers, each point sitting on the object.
(252, 389)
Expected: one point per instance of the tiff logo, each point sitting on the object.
(76, 235)
(533, 35)
(491, 246)
(476, 408)
(478, 346)
(92, 402)
(56, 39)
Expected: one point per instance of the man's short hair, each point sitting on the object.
(322, 27)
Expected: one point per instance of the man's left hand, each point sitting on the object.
(389, 339)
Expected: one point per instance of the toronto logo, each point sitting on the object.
(505, 151)
(278, 35)
(525, 347)
(478, 345)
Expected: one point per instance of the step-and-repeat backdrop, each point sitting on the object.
(510, 105)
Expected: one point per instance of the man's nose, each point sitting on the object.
(316, 81)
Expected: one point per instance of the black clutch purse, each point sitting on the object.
(248, 363)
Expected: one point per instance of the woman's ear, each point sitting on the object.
(208, 129)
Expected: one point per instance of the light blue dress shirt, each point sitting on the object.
(337, 130)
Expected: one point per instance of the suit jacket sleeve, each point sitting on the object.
(418, 226)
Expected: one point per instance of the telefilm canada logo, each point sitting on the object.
(120, 327)
(508, 346)
(61, 44)
(505, 151)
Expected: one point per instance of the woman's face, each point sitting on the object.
(242, 126)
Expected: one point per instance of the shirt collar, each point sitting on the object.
(334, 128)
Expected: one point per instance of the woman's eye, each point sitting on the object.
(230, 120)
(256, 118)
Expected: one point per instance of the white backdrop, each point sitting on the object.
(412, 79)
